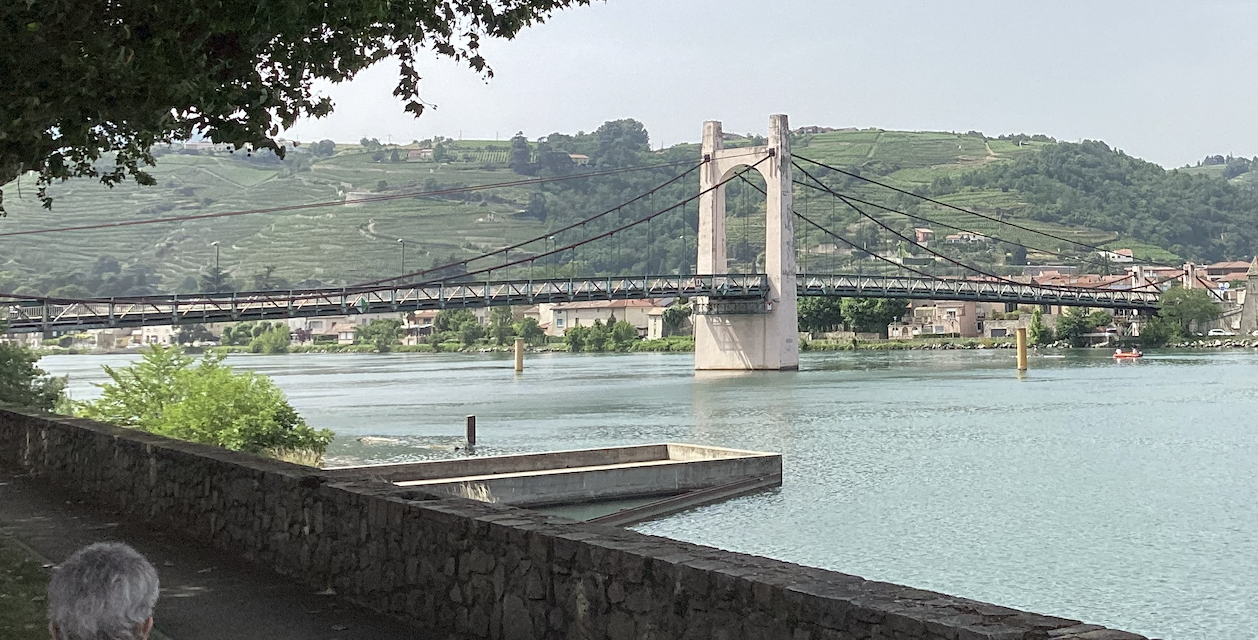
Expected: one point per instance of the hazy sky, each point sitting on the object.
(1166, 81)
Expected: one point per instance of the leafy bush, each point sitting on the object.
(599, 337)
(1072, 325)
(381, 333)
(501, 325)
(24, 385)
(530, 331)
(175, 395)
(1040, 333)
(576, 338)
(1158, 331)
(470, 332)
(273, 340)
(623, 335)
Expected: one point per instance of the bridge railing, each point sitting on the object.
(919, 288)
(42, 314)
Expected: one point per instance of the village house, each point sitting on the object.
(419, 154)
(1227, 271)
(923, 236)
(163, 334)
(1119, 256)
(938, 318)
(966, 237)
(579, 158)
(558, 318)
(418, 325)
(338, 329)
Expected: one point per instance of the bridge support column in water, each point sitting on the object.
(740, 335)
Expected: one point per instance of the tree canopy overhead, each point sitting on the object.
(79, 80)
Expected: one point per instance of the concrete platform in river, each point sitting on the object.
(586, 475)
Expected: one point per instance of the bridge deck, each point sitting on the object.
(47, 314)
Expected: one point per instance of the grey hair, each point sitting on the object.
(104, 591)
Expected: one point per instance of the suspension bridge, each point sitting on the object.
(743, 320)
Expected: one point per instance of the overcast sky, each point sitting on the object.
(1166, 81)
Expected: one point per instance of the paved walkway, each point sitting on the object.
(206, 594)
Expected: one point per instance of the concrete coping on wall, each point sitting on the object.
(482, 569)
(582, 475)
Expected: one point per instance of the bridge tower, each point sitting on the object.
(735, 335)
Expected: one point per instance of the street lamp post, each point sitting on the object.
(217, 274)
(553, 262)
(403, 243)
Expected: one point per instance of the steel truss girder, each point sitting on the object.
(919, 288)
(53, 315)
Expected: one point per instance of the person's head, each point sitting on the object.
(105, 591)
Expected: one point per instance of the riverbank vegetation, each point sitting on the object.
(1179, 310)
(23, 385)
(173, 394)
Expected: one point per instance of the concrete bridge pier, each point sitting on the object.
(738, 335)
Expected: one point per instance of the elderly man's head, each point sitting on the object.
(105, 591)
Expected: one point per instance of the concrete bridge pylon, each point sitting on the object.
(740, 336)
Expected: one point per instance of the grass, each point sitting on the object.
(23, 585)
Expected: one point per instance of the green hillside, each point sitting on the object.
(1084, 192)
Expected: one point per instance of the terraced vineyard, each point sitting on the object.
(349, 243)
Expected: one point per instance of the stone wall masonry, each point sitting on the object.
(476, 570)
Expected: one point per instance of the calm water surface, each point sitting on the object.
(1118, 493)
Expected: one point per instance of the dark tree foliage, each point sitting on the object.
(872, 315)
(107, 278)
(664, 246)
(520, 158)
(24, 385)
(1090, 184)
(324, 148)
(191, 333)
(382, 333)
(82, 79)
(820, 314)
(268, 281)
(1187, 307)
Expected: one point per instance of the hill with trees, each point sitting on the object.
(1085, 192)
(1193, 215)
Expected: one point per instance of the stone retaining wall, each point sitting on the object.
(486, 571)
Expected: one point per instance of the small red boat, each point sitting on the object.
(1127, 355)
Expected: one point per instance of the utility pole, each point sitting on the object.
(403, 243)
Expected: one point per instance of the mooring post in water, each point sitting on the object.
(1021, 348)
(471, 431)
(519, 355)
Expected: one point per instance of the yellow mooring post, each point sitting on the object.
(519, 355)
(1021, 348)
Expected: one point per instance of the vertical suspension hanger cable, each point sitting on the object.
(649, 240)
(807, 212)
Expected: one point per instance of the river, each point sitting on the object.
(1116, 493)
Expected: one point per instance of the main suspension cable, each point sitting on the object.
(548, 234)
(967, 211)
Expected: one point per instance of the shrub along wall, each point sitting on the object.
(483, 570)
